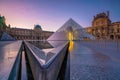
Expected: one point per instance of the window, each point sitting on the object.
(96, 23)
(102, 22)
(117, 30)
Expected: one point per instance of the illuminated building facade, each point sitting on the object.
(103, 28)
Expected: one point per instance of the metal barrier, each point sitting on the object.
(49, 70)
(15, 72)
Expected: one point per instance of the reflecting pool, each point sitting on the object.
(45, 50)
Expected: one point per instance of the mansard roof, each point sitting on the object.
(102, 15)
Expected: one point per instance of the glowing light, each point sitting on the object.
(71, 45)
(70, 36)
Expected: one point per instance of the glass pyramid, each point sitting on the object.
(6, 37)
(71, 30)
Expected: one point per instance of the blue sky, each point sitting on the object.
(52, 14)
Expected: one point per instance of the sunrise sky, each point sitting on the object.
(52, 14)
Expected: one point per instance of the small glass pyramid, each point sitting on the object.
(6, 37)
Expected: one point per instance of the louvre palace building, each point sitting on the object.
(24, 34)
(103, 28)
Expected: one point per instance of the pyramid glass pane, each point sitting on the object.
(6, 37)
(71, 30)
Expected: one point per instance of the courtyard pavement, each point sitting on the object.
(8, 54)
(88, 60)
(93, 62)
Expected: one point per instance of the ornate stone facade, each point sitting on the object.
(24, 34)
(28, 34)
(103, 28)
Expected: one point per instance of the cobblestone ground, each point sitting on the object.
(89, 64)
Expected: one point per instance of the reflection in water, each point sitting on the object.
(44, 50)
(71, 45)
(57, 43)
(41, 44)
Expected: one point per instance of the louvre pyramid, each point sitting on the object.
(6, 37)
(70, 27)
(70, 23)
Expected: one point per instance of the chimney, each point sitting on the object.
(108, 13)
(94, 17)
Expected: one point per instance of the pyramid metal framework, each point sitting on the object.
(71, 30)
(70, 23)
